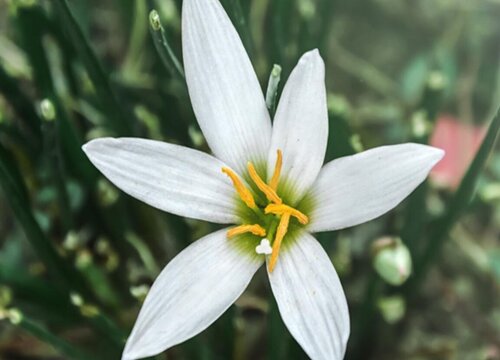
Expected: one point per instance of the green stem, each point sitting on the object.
(416, 216)
(38, 294)
(457, 205)
(53, 151)
(110, 104)
(280, 12)
(144, 253)
(242, 26)
(279, 339)
(40, 332)
(364, 321)
(167, 55)
(15, 194)
(31, 24)
(112, 331)
(22, 105)
(132, 63)
(362, 69)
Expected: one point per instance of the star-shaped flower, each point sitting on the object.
(268, 180)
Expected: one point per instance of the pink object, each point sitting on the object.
(460, 142)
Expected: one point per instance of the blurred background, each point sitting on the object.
(77, 256)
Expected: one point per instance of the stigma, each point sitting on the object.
(280, 213)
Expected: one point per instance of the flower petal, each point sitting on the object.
(310, 299)
(169, 177)
(193, 290)
(224, 90)
(300, 127)
(355, 189)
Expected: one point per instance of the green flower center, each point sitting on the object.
(266, 217)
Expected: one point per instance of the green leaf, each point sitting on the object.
(20, 103)
(15, 194)
(167, 55)
(457, 205)
(413, 78)
(116, 116)
(42, 333)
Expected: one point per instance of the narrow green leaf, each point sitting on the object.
(42, 333)
(242, 25)
(38, 293)
(416, 216)
(15, 194)
(167, 55)
(20, 103)
(110, 104)
(31, 26)
(457, 205)
(52, 152)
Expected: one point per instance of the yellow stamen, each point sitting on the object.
(273, 184)
(242, 229)
(285, 209)
(266, 189)
(244, 193)
(280, 234)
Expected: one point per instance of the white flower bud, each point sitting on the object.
(392, 260)
(47, 110)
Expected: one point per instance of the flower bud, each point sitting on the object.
(5, 296)
(437, 80)
(392, 260)
(420, 124)
(338, 105)
(140, 292)
(307, 9)
(15, 316)
(47, 110)
(392, 308)
(154, 20)
(107, 193)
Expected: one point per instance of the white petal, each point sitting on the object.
(355, 189)
(169, 177)
(193, 290)
(311, 300)
(224, 90)
(300, 127)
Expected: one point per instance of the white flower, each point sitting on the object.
(268, 180)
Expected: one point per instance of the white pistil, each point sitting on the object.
(264, 248)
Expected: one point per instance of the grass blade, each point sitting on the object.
(167, 55)
(110, 104)
(457, 205)
(43, 334)
(20, 103)
(15, 194)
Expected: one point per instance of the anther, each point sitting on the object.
(242, 229)
(285, 209)
(266, 189)
(273, 184)
(242, 190)
(280, 234)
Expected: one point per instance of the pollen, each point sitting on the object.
(285, 209)
(280, 234)
(266, 189)
(273, 184)
(255, 229)
(242, 190)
